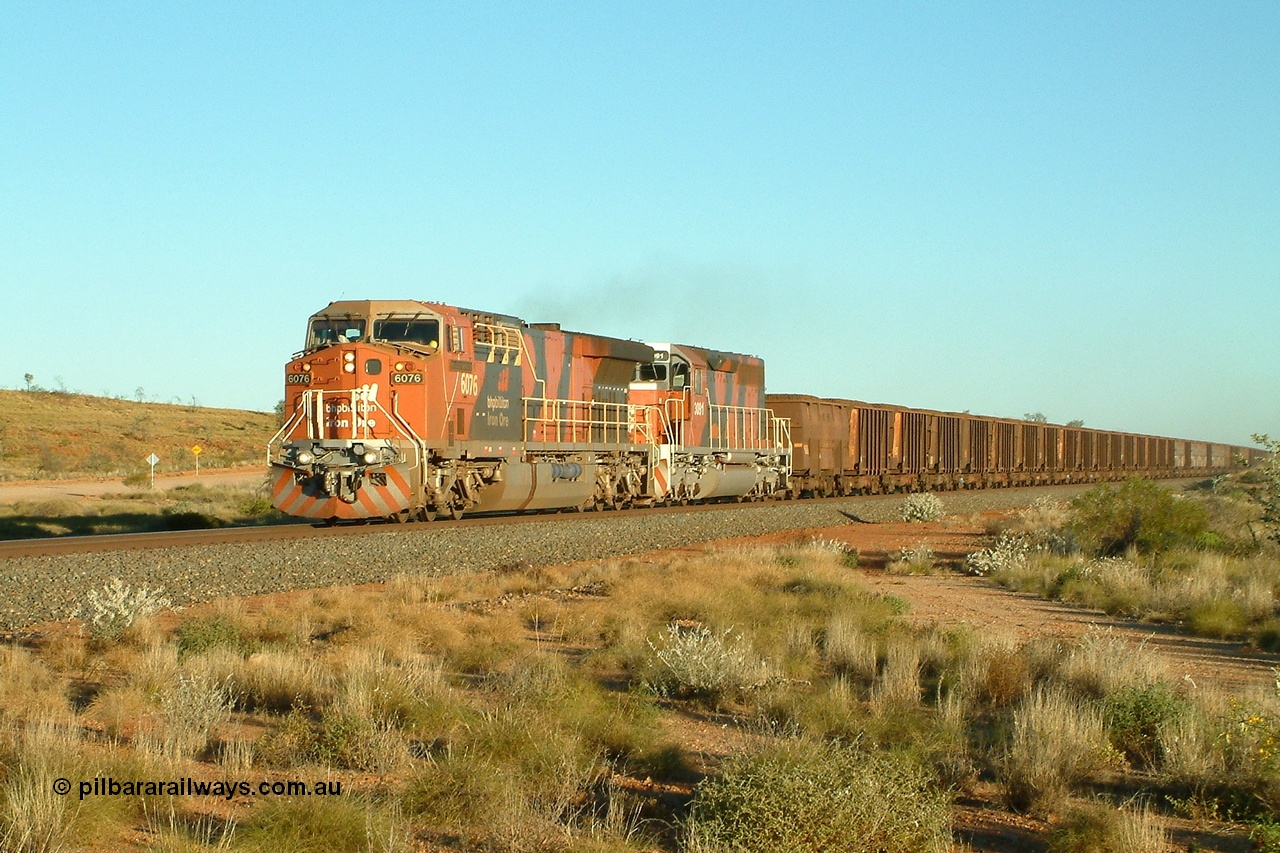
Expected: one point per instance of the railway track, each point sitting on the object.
(42, 580)
(53, 546)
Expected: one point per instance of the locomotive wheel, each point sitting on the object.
(427, 514)
(456, 511)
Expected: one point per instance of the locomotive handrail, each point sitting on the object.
(740, 428)
(561, 421)
(288, 427)
(362, 401)
(419, 446)
(499, 340)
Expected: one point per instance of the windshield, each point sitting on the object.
(335, 330)
(413, 331)
(651, 373)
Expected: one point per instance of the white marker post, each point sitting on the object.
(196, 452)
(152, 460)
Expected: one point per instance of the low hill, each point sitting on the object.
(53, 434)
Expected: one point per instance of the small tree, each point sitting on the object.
(1036, 417)
(1268, 497)
(1139, 514)
(29, 378)
(1076, 423)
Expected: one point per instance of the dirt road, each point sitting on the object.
(44, 490)
(947, 598)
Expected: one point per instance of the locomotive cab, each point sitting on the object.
(347, 450)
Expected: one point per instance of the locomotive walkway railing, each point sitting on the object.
(552, 421)
(745, 428)
(580, 422)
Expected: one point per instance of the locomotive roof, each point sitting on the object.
(594, 346)
(727, 362)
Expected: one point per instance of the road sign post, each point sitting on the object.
(152, 460)
(195, 451)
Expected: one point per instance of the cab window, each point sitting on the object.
(679, 376)
(329, 330)
(415, 332)
(651, 373)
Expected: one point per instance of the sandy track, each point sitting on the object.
(44, 490)
(980, 604)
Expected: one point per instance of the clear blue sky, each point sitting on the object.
(1071, 208)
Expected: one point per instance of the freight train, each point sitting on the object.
(405, 410)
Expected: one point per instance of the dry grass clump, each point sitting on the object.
(916, 560)
(192, 706)
(34, 818)
(849, 648)
(1096, 827)
(1057, 743)
(346, 824)
(1212, 594)
(528, 775)
(28, 688)
(1101, 663)
(1146, 552)
(897, 688)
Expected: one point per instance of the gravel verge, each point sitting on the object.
(38, 589)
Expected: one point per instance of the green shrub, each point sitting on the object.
(798, 796)
(199, 635)
(1268, 496)
(1265, 835)
(1140, 514)
(187, 520)
(1217, 617)
(256, 506)
(1134, 718)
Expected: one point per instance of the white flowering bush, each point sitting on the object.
(922, 506)
(108, 612)
(696, 661)
(1008, 554)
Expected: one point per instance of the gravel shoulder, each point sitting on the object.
(38, 589)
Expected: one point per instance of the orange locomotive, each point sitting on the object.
(403, 410)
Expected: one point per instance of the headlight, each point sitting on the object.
(370, 458)
(348, 356)
(349, 367)
(304, 458)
